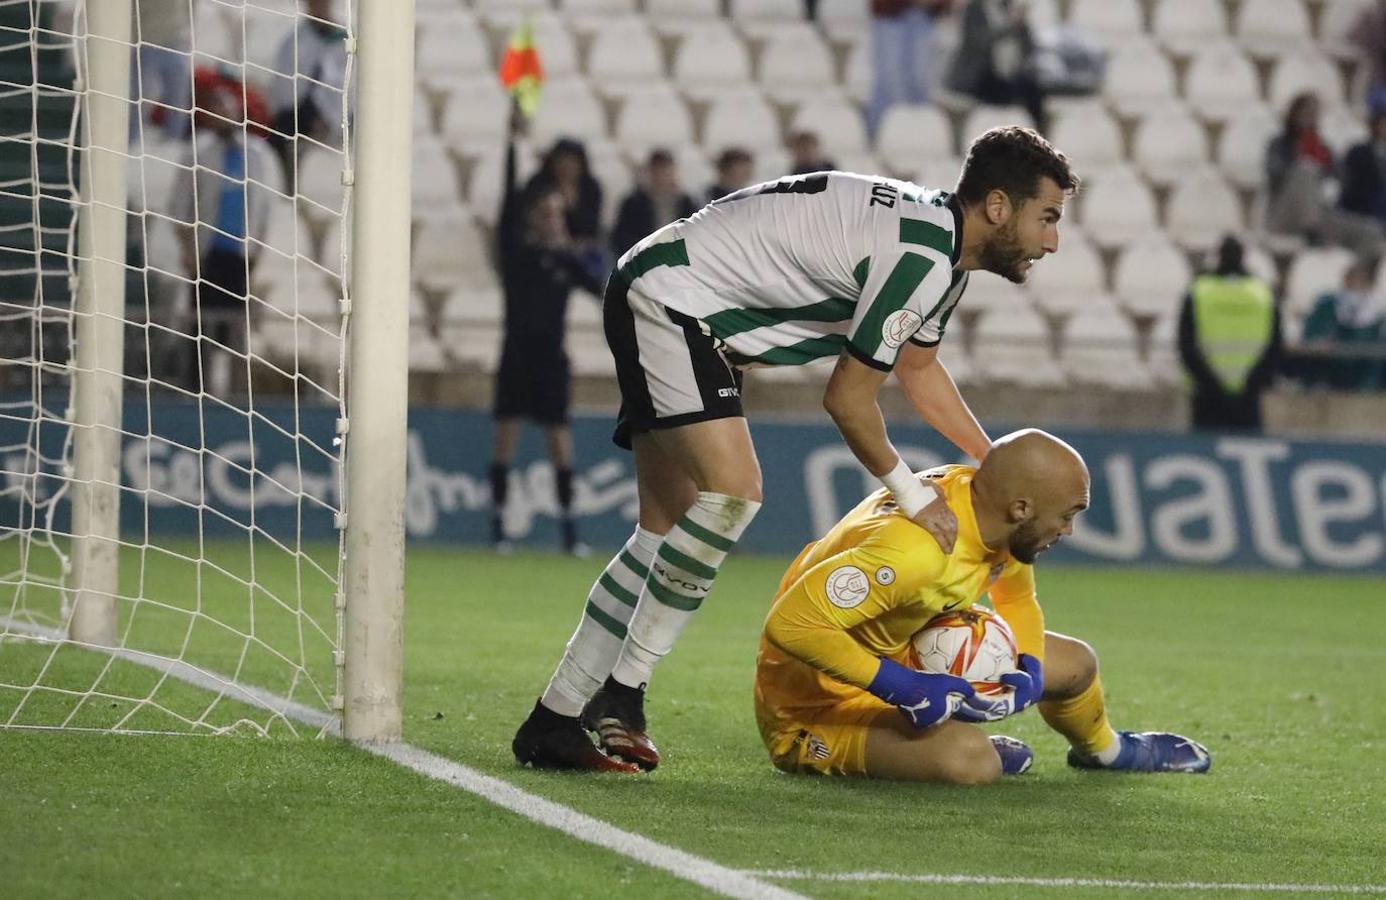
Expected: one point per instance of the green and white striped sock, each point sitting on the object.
(680, 577)
(596, 643)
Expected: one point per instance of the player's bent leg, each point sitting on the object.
(950, 752)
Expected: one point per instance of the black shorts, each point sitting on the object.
(669, 366)
(532, 385)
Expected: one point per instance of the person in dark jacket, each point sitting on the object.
(539, 265)
(735, 170)
(1364, 173)
(651, 206)
(1351, 318)
(1229, 341)
(993, 60)
(565, 169)
(806, 154)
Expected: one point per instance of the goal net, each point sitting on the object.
(172, 380)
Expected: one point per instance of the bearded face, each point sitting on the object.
(1005, 254)
(1027, 542)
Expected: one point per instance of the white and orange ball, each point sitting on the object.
(973, 643)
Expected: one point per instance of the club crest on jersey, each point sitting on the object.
(899, 326)
(847, 586)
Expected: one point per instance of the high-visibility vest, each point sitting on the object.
(1234, 318)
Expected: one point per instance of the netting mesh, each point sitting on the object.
(236, 285)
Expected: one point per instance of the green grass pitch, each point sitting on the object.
(1281, 675)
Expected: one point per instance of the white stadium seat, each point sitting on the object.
(1162, 354)
(837, 123)
(1070, 279)
(1220, 82)
(741, 120)
(795, 65)
(858, 77)
(557, 49)
(1184, 26)
(939, 173)
(613, 173)
(1311, 273)
(1151, 276)
(1202, 210)
(952, 353)
(1117, 208)
(1336, 24)
(656, 117)
(1139, 77)
(1089, 137)
(1169, 143)
(503, 15)
(1307, 70)
(1242, 145)
(711, 60)
(450, 52)
(1100, 347)
(984, 118)
(1341, 127)
(762, 18)
(679, 17)
(477, 113)
(1272, 28)
(319, 183)
(1114, 20)
(575, 8)
(986, 292)
(450, 252)
(1012, 346)
(568, 108)
(911, 134)
(435, 176)
(624, 56)
(848, 23)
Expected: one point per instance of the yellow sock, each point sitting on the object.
(1082, 719)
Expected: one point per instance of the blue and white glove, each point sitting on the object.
(924, 697)
(1027, 686)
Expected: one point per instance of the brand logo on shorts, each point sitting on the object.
(847, 586)
(899, 327)
(728, 392)
(817, 749)
(885, 575)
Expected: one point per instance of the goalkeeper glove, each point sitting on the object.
(924, 697)
(1026, 687)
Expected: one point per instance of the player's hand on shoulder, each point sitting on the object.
(1026, 686)
(939, 520)
(925, 698)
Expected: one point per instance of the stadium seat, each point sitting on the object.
(911, 134)
(1169, 143)
(569, 108)
(763, 18)
(837, 123)
(435, 176)
(1115, 21)
(1089, 137)
(1270, 29)
(1242, 145)
(475, 307)
(320, 183)
(941, 173)
(1220, 82)
(1185, 26)
(1342, 127)
(795, 65)
(986, 292)
(1312, 272)
(655, 117)
(557, 50)
(1099, 347)
(624, 56)
(451, 252)
(1336, 24)
(613, 173)
(589, 353)
(1151, 276)
(485, 181)
(857, 75)
(477, 114)
(1260, 263)
(771, 163)
(452, 51)
(983, 118)
(1139, 78)
(1202, 210)
(1012, 346)
(576, 8)
(846, 23)
(1116, 208)
(952, 352)
(711, 60)
(1307, 70)
(425, 353)
(679, 17)
(1070, 279)
(740, 120)
(504, 15)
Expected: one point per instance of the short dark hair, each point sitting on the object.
(732, 156)
(660, 157)
(1012, 159)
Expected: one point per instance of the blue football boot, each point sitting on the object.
(1016, 755)
(1150, 751)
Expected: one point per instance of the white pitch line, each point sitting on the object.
(808, 875)
(713, 876)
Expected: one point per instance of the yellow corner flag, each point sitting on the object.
(520, 71)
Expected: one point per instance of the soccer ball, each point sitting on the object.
(973, 643)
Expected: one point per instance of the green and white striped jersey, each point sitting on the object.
(794, 270)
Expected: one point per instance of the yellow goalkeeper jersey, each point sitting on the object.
(864, 589)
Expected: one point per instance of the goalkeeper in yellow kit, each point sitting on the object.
(833, 695)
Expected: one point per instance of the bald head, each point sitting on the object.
(1028, 491)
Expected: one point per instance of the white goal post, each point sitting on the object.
(199, 548)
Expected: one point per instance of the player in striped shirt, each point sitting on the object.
(865, 269)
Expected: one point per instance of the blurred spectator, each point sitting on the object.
(901, 42)
(161, 71)
(1348, 319)
(651, 206)
(993, 60)
(1229, 341)
(1369, 34)
(735, 170)
(539, 266)
(565, 169)
(806, 154)
(305, 92)
(221, 193)
(1364, 173)
(1299, 175)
